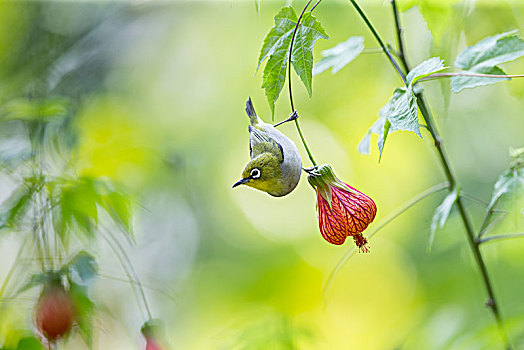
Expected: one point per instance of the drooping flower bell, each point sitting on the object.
(152, 332)
(342, 210)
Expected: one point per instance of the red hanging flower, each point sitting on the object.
(151, 331)
(342, 210)
(55, 312)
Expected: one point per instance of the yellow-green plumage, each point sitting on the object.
(275, 165)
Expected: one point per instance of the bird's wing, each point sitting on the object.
(261, 143)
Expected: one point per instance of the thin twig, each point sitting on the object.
(399, 32)
(501, 236)
(126, 264)
(464, 74)
(379, 39)
(393, 215)
(132, 282)
(489, 227)
(14, 266)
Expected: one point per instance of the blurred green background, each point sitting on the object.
(158, 90)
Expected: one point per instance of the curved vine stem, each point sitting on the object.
(126, 264)
(392, 216)
(289, 79)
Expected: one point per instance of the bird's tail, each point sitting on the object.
(250, 110)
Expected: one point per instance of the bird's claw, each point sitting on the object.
(292, 116)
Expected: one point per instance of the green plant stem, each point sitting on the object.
(126, 264)
(490, 226)
(464, 74)
(501, 236)
(473, 243)
(392, 216)
(378, 38)
(13, 267)
(289, 80)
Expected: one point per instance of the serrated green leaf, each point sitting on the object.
(378, 128)
(118, 206)
(430, 66)
(78, 205)
(403, 111)
(276, 49)
(339, 56)
(83, 268)
(510, 183)
(285, 21)
(441, 214)
(308, 33)
(14, 208)
(484, 56)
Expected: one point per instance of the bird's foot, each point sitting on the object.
(292, 116)
(310, 170)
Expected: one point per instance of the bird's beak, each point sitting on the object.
(240, 182)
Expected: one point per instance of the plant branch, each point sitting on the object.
(289, 80)
(379, 39)
(501, 236)
(392, 216)
(464, 74)
(473, 243)
(400, 42)
(489, 227)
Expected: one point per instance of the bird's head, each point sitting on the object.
(262, 173)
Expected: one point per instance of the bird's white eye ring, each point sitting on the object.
(255, 173)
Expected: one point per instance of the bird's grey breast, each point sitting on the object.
(291, 166)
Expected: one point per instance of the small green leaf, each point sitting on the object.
(14, 208)
(484, 57)
(364, 146)
(382, 138)
(430, 66)
(509, 184)
(34, 281)
(78, 203)
(83, 268)
(403, 111)
(29, 343)
(308, 33)
(276, 49)
(31, 109)
(339, 56)
(378, 128)
(85, 309)
(441, 214)
(118, 207)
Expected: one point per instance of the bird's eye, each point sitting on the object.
(255, 173)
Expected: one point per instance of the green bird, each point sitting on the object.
(275, 164)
